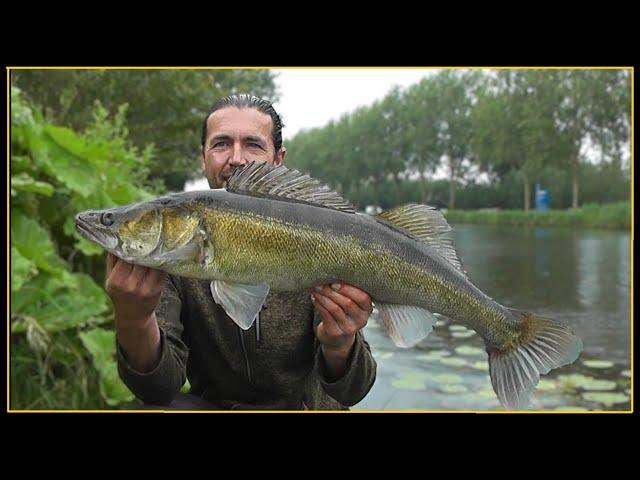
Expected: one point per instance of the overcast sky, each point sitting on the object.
(311, 97)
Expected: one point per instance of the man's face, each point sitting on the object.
(237, 137)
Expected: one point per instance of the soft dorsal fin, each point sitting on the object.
(426, 224)
(281, 183)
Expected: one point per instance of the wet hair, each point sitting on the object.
(248, 101)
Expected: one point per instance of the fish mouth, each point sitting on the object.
(82, 228)
(85, 229)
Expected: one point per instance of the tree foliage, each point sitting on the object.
(510, 125)
(162, 108)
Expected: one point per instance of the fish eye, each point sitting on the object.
(107, 219)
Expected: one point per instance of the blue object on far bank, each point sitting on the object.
(543, 199)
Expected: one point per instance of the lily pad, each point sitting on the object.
(410, 381)
(606, 398)
(574, 381)
(440, 353)
(466, 350)
(441, 323)
(486, 394)
(626, 373)
(385, 355)
(409, 384)
(600, 385)
(454, 362)
(427, 358)
(571, 408)
(447, 378)
(463, 334)
(433, 356)
(597, 363)
(484, 366)
(546, 385)
(455, 388)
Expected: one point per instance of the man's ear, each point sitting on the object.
(280, 156)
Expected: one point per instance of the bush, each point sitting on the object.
(613, 215)
(62, 340)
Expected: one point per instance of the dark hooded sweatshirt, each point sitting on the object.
(277, 364)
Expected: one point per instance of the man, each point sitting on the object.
(303, 352)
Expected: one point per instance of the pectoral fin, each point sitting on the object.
(240, 301)
(406, 325)
(185, 253)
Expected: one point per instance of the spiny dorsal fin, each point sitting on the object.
(281, 183)
(426, 224)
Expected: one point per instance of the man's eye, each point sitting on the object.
(219, 144)
(255, 145)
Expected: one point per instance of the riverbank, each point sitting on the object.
(612, 215)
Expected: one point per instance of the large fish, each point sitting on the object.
(276, 229)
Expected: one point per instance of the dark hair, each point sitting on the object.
(248, 101)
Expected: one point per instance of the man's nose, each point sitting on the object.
(238, 157)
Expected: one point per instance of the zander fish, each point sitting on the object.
(274, 228)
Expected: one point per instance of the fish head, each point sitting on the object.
(150, 233)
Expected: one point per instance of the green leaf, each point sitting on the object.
(102, 346)
(61, 303)
(20, 163)
(74, 171)
(21, 269)
(98, 153)
(24, 182)
(123, 194)
(21, 113)
(34, 243)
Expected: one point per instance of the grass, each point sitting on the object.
(44, 381)
(612, 215)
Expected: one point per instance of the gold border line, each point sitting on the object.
(294, 412)
(8, 232)
(482, 412)
(312, 68)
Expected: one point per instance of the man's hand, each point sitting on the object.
(135, 292)
(344, 309)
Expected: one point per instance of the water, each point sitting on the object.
(581, 276)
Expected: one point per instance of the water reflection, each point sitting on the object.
(578, 276)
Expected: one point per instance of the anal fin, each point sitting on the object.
(406, 325)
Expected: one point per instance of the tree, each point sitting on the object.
(514, 126)
(594, 104)
(420, 127)
(457, 93)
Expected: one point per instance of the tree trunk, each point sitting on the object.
(398, 183)
(527, 193)
(452, 184)
(574, 202)
(374, 188)
(452, 193)
(423, 187)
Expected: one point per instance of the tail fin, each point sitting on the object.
(544, 344)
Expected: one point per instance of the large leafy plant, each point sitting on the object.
(60, 316)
